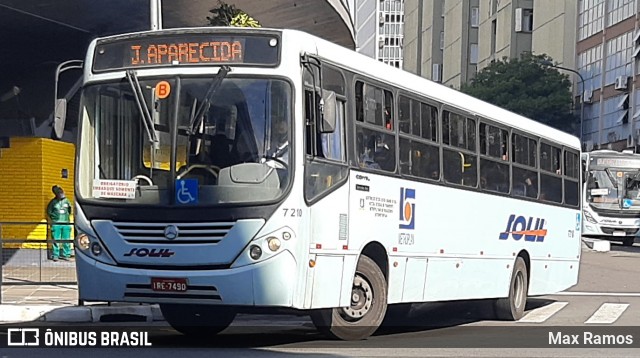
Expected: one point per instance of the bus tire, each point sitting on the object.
(198, 321)
(512, 307)
(367, 310)
(628, 241)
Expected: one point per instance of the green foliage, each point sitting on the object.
(229, 15)
(242, 19)
(528, 87)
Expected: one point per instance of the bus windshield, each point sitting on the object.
(614, 189)
(232, 147)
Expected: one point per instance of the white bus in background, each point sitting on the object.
(221, 170)
(611, 205)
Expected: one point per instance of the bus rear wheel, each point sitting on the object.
(367, 309)
(199, 321)
(512, 307)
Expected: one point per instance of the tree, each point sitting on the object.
(528, 87)
(229, 15)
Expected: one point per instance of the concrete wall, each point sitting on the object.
(551, 20)
(422, 27)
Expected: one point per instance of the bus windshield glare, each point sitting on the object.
(233, 146)
(614, 189)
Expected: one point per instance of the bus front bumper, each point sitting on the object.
(266, 283)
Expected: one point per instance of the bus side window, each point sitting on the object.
(469, 170)
(452, 165)
(359, 101)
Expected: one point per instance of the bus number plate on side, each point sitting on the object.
(169, 284)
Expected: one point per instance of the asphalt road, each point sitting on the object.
(605, 303)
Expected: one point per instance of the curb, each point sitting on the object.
(80, 314)
(597, 245)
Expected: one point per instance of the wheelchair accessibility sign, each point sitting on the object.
(187, 191)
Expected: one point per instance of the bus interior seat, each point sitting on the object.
(221, 155)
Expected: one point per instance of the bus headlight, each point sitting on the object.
(273, 243)
(589, 218)
(83, 241)
(96, 249)
(255, 252)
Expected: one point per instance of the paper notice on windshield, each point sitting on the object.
(116, 189)
(603, 191)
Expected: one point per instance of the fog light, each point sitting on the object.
(286, 235)
(255, 252)
(96, 249)
(273, 243)
(83, 241)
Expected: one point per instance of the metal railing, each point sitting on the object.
(26, 254)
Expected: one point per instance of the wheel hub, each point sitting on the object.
(361, 299)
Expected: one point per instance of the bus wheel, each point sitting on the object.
(367, 309)
(628, 241)
(512, 307)
(200, 321)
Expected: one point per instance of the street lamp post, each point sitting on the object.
(550, 64)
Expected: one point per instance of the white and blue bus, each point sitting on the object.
(611, 206)
(221, 170)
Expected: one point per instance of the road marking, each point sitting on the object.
(571, 293)
(542, 314)
(608, 313)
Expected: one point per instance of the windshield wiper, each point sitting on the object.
(142, 106)
(197, 118)
(612, 178)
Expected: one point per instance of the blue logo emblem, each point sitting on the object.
(407, 208)
(627, 203)
(532, 229)
(187, 191)
(578, 220)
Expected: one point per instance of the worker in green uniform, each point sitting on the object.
(59, 213)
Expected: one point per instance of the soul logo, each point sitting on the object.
(519, 226)
(407, 208)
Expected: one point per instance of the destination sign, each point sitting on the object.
(618, 163)
(185, 50)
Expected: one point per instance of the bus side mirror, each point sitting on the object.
(328, 112)
(60, 117)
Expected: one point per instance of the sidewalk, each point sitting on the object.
(59, 303)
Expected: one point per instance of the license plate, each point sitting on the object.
(169, 284)
(619, 233)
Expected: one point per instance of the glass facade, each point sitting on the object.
(590, 67)
(619, 59)
(391, 32)
(590, 18)
(608, 69)
(618, 10)
(591, 120)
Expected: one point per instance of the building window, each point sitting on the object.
(619, 10)
(590, 18)
(436, 72)
(494, 29)
(524, 20)
(619, 57)
(590, 67)
(473, 54)
(475, 16)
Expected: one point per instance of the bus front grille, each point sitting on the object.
(627, 231)
(180, 233)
